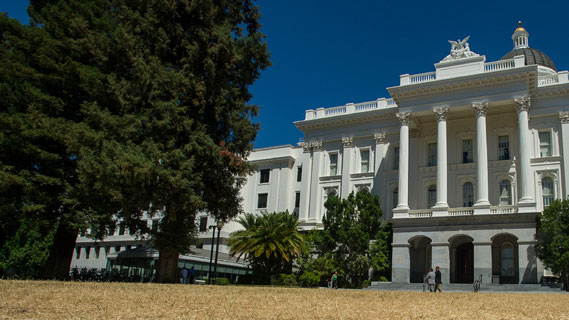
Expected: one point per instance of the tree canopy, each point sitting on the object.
(146, 105)
(354, 237)
(269, 241)
(553, 238)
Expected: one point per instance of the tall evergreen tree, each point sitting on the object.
(149, 107)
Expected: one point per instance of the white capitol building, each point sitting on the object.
(463, 159)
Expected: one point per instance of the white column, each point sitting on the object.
(315, 194)
(380, 140)
(564, 118)
(403, 205)
(347, 157)
(441, 114)
(524, 170)
(481, 154)
(307, 180)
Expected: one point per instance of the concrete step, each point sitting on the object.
(465, 287)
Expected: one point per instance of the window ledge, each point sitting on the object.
(331, 178)
(362, 175)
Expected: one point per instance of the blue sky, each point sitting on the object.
(327, 53)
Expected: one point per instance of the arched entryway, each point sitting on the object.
(505, 261)
(461, 259)
(420, 258)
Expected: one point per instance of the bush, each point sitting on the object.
(309, 279)
(286, 280)
(366, 283)
(222, 281)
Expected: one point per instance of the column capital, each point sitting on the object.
(348, 142)
(380, 138)
(480, 108)
(404, 117)
(564, 116)
(441, 113)
(311, 146)
(522, 103)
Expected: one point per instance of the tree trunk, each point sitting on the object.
(167, 269)
(60, 253)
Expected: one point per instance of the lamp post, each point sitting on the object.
(211, 254)
(219, 226)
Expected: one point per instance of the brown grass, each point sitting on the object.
(74, 300)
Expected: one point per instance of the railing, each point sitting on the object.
(503, 209)
(335, 111)
(547, 80)
(423, 77)
(421, 213)
(391, 102)
(366, 106)
(460, 211)
(499, 65)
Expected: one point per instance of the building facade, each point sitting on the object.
(463, 159)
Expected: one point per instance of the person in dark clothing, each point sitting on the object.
(438, 280)
(192, 275)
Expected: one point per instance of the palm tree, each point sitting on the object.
(271, 241)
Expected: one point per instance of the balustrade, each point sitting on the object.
(547, 80)
(423, 77)
(499, 65)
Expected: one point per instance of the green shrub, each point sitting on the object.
(222, 281)
(309, 279)
(366, 283)
(286, 280)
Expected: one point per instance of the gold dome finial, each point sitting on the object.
(520, 28)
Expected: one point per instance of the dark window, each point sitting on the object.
(297, 200)
(121, 228)
(503, 148)
(262, 201)
(77, 252)
(467, 151)
(154, 226)
(396, 158)
(128, 247)
(117, 249)
(299, 174)
(432, 157)
(87, 252)
(97, 251)
(265, 175)
(203, 224)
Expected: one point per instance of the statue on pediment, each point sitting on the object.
(460, 49)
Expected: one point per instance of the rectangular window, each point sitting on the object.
(545, 144)
(395, 158)
(265, 173)
(121, 228)
(117, 249)
(77, 252)
(87, 252)
(203, 224)
(107, 250)
(432, 196)
(97, 251)
(467, 151)
(297, 200)
(333, 164)
(154, 226)
(503, 148)
(364, 155)
(432, 157)
(299, 174)
(262, 200)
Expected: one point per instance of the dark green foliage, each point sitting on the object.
(270, 241)
(354, 239)
(222, 281)
(115, 108)
(284, 280)
(309, 279)
(553, 239)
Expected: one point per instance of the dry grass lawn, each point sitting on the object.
(75, 300)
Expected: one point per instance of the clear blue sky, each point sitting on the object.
(330, 52)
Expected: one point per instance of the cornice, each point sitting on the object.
(346, 119)
(460, 83)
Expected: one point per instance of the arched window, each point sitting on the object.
(507, 260)
(395, 197)
(432, 195)
(467, 195)
(505, 193)
(547, 190)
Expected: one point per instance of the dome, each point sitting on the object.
(521, 48)
(532, 56)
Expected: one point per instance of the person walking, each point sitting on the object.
(438, 279)
(334, 280)
(431, 280)
(192, 275)
(184, 275)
